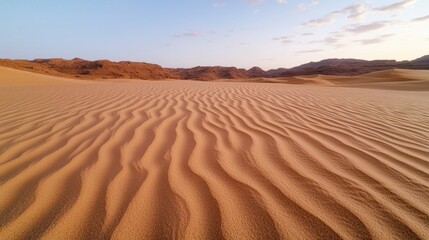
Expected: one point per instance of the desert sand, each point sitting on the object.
(178, 159)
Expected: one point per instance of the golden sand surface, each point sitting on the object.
(211, 160)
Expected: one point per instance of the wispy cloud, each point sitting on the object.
(339, 38)
(259, 1)
(218, 4)
(421, 19)
(191, 33)
(367, 27)
(332, 40)
(284, 39)
(253, 1)
(305, 6)
(357, 11)
(323, 20)
(396, 6)
(310, 51)
(378, 39)
(221, 3)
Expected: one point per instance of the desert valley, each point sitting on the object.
(213, 120)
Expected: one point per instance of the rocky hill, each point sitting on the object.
(348, 67)
(210, 73)
(105, 69)
(79, 68)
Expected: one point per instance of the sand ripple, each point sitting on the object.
(195, 160)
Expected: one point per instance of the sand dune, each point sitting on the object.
(13, 77)
(396, 79)
(210, 160)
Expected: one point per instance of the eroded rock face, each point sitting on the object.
(92, 69)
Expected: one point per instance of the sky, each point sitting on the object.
(242, 33)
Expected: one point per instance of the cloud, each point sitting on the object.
(323, 20)
(191, 33)
(310, 51)
(307, 34)
(283, 39)
(396, 6)
(305, 6)
(367, 27)
(336, 39)
(378, 39)
(421, 19)
(219, 3)
(253, 1)
(333, 40)
(355, 11)
(259, 1)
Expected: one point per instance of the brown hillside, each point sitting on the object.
(105, 69)
(79, 68)
(210, 73)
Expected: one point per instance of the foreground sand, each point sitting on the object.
(196, 160)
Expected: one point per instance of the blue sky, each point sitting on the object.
(242, 33)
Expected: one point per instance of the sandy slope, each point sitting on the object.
(198, 160)
(396, 79)
(13, 77)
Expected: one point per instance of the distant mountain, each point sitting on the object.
(256, 72)
(348, 67)
(421, 61)
(79, 68)
(338, 67)
(210, 73)
(275, 72)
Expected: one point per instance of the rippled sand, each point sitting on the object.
(210, 160)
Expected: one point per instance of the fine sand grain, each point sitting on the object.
(210, 160)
